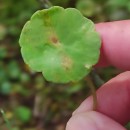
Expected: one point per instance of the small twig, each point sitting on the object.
(5, 119)
(46, 3)
(49, 3)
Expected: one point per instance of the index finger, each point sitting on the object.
(115, 49)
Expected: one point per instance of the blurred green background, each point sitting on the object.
(29, 101)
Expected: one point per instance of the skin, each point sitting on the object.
(113, 110)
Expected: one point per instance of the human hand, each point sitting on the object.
(113, 110)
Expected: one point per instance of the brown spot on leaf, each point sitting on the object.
(54, 39)
(47, 20)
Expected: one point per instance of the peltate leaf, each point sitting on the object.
(60, 43)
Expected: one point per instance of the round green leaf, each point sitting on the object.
(23, 113)
(60, 43)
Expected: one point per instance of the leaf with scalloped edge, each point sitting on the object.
(60, 43)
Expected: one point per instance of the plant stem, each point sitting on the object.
(93, 91)
(97, 81)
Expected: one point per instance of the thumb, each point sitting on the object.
(92, 121)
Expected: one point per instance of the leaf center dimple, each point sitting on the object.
(67, 63)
